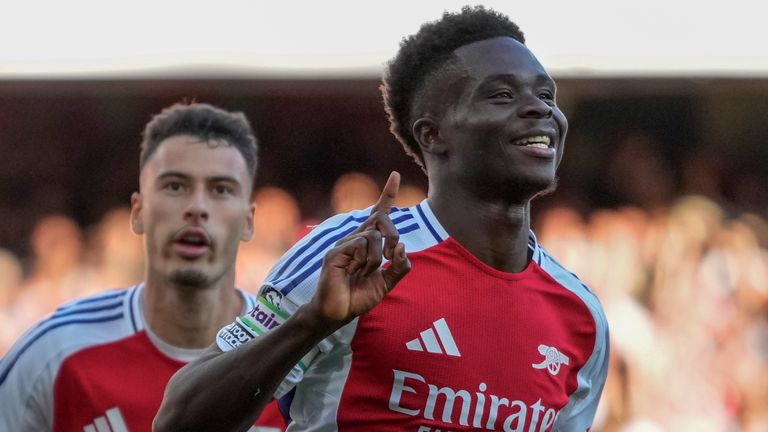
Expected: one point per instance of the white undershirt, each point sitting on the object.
(184, 355)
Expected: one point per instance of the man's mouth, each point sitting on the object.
(193, 240)
(191, 243)
(538, 141)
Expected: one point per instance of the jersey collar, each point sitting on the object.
(430, 221)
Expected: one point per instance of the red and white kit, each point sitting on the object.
(94, 366)
(456, 346)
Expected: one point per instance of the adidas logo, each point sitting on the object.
(440, 343)
(113, 422)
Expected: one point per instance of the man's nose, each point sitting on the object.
(197, 207)
(534, 107)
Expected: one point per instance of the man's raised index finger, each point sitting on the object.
(388, 194)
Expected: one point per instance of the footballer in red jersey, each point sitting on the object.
(447, 316)
(94, 365)
(102, 363)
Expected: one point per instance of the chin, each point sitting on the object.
(547, 185)
(192, 278)
(549, 190)
(537, 181)
(523, 189)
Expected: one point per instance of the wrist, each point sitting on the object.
(315, 323)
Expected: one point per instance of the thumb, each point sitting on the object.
(398, 268)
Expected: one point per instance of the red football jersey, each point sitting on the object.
(456, 346)
(92, 366)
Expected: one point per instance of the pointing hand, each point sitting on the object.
(352, 281)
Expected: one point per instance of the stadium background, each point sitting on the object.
(661, 207)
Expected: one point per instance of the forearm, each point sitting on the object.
(227, 391)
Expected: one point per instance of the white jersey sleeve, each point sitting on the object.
(29, 371)
(292, 282)
(26, 394)
(579, 412)
(296, 274)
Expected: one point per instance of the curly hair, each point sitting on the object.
(207, 122)
(422, 56)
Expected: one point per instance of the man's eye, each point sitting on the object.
(503, 94)
(547, 97)
(174, 186)
(222, 190)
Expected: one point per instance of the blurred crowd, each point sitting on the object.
(685, 288)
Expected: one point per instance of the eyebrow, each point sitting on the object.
(179, 174)
(538, 79)
(168, 174)
(224, 179)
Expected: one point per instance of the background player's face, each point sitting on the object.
(506, 95)
(193, 209)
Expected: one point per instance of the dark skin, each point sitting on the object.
(482, 178)
(473, 154)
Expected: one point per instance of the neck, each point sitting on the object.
(188, 317)
(496, 232)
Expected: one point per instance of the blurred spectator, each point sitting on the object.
(409, 196)
(357, 191)
(353, 191)
(686, 294)
(58, 273)
(57, 246)
(275, 224)
(117, 254)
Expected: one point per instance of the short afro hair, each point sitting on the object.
(427, 52)
(204, 121)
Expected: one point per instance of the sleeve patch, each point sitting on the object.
(233, 335)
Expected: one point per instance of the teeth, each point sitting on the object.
(540, 141)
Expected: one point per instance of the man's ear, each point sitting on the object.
(137, 226)
(427, 134)
(248, 231)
